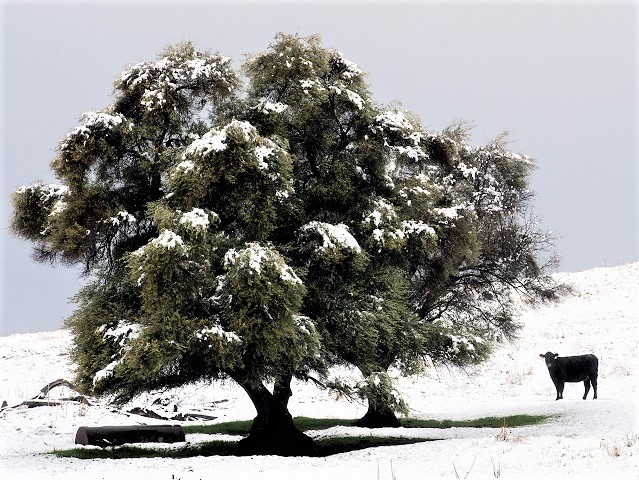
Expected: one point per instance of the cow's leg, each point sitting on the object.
(559, 385)
(587, 386)
(560, 390)
(594, 385)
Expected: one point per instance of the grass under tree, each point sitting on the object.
(323, 447)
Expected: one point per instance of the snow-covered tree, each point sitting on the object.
(271, 232)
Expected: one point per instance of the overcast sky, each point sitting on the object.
(561, 77)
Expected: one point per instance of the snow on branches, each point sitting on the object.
(46, 194)
(168, 240)
(120, 335)
(122, 217)
(144, 258)
(218, 140)
(215, 140)
(158, 84)
(394, 121)
(266, 107)
(209, 333)
(348, 70)
(390, 230)
(94, 124)
(334, 237)
(37, 207)
(197, 219)
(258, 260)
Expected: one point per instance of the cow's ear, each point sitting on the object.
(541, 355)
(556, 355)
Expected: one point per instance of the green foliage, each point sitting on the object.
(261, 298)
(102, 324)
(264, 233)
(378, 388)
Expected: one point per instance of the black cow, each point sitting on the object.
(580, 368)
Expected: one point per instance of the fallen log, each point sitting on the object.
(61, 382)
(188, 417)
(119, 435)
(43, 402)
(37, 402)
(145, 412)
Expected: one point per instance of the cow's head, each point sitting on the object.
(549, 357)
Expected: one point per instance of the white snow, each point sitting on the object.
(269, 107)
(309, 84)
(414, 153)
(595, 439)
(46, 191)
(122, 216)
(203, 68)
(334, 237)
(58, 207)
(93, 121)
(185, 166)
(153, 99)
(355, 99)
(215, 140)
(252, 258)
(105, 372)
(122, 332)
(449, 213)
(382, 211)
(351, 70)
(196, 219)
(394, 121)
(410, 227)
(211, 141)
(217, 331)
(468, 172)
(168, 239)
(262, 153)
(170, 74)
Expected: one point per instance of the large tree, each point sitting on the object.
(267, 233)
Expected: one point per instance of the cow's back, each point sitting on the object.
(579, 367)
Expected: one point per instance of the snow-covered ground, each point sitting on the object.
(587, 439)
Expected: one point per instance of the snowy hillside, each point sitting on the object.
(587, 439)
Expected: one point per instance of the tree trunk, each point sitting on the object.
(378, 416)
(273, 431)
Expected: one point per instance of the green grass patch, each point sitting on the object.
(204, 449)
(242, 427)
(485, 422)
(323, 448)
(237, 427)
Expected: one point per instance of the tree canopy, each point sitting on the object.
(271, 223)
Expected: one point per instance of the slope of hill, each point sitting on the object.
(587, 439)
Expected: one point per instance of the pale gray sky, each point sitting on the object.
(562, 77)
